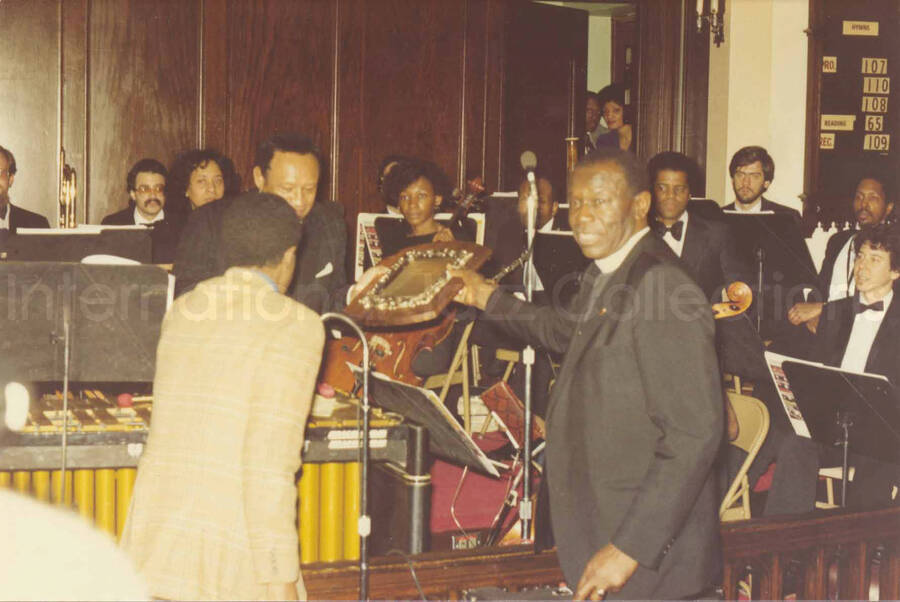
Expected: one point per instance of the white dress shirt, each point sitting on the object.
(677, 245)
(140, 220)
(865, 329)
(842, 284)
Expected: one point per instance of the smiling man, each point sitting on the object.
(636, 414)
(288, 165)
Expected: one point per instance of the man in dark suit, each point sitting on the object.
(636, 414)
(873, 204)
(12, 217)
(287, 165)
(705, 246)
(146, 186)
(752, 170)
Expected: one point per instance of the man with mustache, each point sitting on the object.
(752, 170)
(12, 216)
(873, 204)
(636, 415)
(146, 185)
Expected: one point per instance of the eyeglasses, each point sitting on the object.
(144, 189)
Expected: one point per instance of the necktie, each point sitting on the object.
(676, 229)
(859, 306)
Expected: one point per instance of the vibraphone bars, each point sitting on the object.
(105, 442)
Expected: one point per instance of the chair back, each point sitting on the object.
(753, 425)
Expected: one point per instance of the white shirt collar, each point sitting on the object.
(678, 245)
(754, 208)
(140, 220)
(611, 263)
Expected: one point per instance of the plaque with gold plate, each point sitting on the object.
(416, 287)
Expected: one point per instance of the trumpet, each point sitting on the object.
(68, 192)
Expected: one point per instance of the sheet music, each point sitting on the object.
(774, 362)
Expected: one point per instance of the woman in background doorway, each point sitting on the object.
(615, 114)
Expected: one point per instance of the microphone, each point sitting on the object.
(528, 161)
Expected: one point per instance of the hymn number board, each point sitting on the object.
(858, 117)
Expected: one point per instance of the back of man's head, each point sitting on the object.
(286, 143)
(257, 228)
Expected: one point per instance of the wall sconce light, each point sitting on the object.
(714, 18)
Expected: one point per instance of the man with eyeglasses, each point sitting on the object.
(752, 171)
(11, 216)
(146, 185)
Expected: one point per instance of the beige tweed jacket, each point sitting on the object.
(214, 506)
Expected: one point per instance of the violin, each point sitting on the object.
(738, 298)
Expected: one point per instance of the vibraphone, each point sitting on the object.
(105, 442)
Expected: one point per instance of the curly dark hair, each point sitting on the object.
(145, 165)
(672, 161)
(257, 228)
(185, 164)
(408, 171)
(616, 94)
(883, 237)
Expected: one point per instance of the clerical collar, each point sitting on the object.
(611, 263)
(140, 220)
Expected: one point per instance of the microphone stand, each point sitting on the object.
(760, 258)
(525, 507)
(364, 523)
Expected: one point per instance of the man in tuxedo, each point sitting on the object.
(146, 186)
(705, 246)
(11, 216)
(752, 170)
(860, 333)
(873, 204)
(636, 414)
(287, 165)
(593, 111)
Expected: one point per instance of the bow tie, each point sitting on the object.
(676, 229)
(859, 306)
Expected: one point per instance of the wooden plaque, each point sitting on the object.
(417, 287)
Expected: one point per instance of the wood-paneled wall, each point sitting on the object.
(443, 79)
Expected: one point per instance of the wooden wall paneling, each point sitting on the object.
(351, 175)
(280, 76)
(412, 86)
(74, 97)
(660, 36)
(695, 99)
(143, 92)
(29, 95)
(213, 84)
(540, 55)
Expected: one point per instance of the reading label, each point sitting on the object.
(876, 85)
(838, 122)
(826, 140)
(874, 66)
(829, 64)
(874, 123)
(877, 142)
(860, 28)
(874, 104)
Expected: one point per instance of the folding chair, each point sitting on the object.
(753, 424)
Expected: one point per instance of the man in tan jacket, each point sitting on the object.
(214, 505)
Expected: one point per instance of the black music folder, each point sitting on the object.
(787, 265)
(559, 263)
(131, 243)
(113, 315)
(871, 402)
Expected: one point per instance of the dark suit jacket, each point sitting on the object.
(768, 205)
(22, 218)
(164, 234)
(836, 242)
(833, 334)
(324, 242)
(635, 420)
(711, 256)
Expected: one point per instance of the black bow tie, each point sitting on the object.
(859, 306)
(676, 229)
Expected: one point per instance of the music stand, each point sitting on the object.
(774, 244)
(836, 404)
(446, 437)
(559, 263)
(132, 243)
